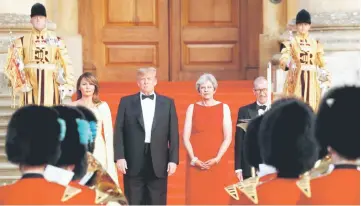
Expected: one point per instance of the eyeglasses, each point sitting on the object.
(261, 90)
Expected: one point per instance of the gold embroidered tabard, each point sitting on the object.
(47, 67)
(303, 78)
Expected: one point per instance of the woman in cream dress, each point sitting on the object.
(87, 95)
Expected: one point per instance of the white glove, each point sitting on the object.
(65, 91)
(60, 78)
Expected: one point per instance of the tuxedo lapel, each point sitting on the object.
(158, 110)
(252, 111)
(137, 107)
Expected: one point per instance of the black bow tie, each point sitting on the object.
(148, 96)
(263, 107)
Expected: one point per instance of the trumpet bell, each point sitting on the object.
(97, 178)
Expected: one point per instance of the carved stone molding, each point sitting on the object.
(333, 20)
(338, 31)
(17, 24)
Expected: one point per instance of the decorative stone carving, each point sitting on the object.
(19, 21)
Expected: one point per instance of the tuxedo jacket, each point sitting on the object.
(246, 112)
(129, 136)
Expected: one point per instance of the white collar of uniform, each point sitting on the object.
(265, 170)
(58, 175)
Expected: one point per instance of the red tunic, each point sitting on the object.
(341, 187)
(32, 189)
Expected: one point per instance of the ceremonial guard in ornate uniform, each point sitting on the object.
(302, 57)
(38, 65)
(338, 129)
(32, 145)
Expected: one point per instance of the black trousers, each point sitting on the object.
(146, 188)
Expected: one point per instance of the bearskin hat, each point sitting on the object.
(73, 150)
(38, 10)
(91, 118)
(251, 147)
(286, 138)
(303, 16)
(33, 136)
(338, 122)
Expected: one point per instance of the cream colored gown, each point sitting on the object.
(104, 149)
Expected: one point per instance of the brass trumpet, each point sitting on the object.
(97, 178)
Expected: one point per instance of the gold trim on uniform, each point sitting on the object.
(44, 54)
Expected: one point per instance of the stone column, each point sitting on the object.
(65, 14)
(274, 22)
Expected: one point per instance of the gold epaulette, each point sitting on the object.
(69, 193)
(320, 169)
(105, 198)
(247, 187)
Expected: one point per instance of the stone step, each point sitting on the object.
(3, 127)
(2, 137)
(2, 147)
(8, 169)
(6, 107)
(5, 116)
(3, 157)
(7, 180)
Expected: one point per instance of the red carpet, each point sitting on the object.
(233, 93)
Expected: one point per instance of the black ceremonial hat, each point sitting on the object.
(73, 150)
(303, 17)
(338, 122)
(34, 136)
(38, 10)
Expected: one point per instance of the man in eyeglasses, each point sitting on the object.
(243, 169)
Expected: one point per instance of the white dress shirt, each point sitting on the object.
(265, 170)
(261, 111)
(148, 108)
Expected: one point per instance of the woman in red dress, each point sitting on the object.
(207, 136)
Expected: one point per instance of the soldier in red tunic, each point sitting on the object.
(73, 159)
(338, 129)
(33, 141)
(286, 143)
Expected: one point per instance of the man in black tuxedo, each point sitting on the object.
(146, 141)
(243, 169)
